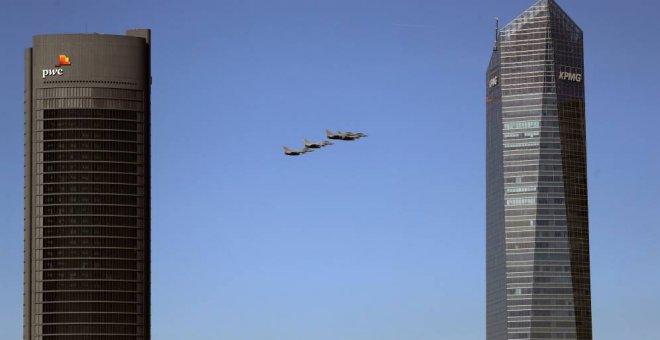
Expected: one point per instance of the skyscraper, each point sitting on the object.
(87, 187)
(538, 282)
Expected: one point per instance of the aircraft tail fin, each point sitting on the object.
(328, 133)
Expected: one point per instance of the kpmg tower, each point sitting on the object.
(87, 187)
(537, 224)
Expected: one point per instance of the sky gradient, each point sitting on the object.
(377, 239)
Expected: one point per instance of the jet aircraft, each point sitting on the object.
(313, 145)
(290, 152)
(352, 134)
(344, 135)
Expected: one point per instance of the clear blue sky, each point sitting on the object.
(379, 239)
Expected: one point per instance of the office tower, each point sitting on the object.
(537, 224)
(87, 187)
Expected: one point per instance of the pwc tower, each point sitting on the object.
(538, 281)
(87, 187)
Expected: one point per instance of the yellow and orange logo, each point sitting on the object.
(64, 61)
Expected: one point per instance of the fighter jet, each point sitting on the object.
(344, 135)
(290, 152)
(352, 134)
(312, 145)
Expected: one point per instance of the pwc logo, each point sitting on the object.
(57, 71)
(64, 61)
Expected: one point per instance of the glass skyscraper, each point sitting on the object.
(87, 187)
(538, 281)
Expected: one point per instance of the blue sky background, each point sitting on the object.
(379, 239)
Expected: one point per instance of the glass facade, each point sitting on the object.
(87, 193)
(537, 222)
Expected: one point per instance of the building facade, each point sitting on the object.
(87, 187)
(538, 281)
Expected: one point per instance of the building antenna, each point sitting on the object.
(497, 33)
